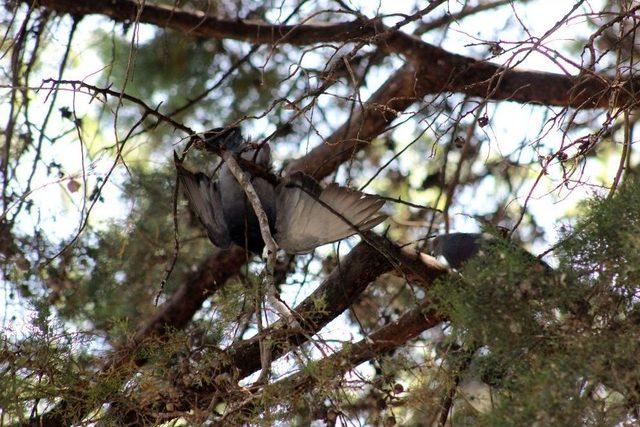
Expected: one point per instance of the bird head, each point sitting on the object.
(228, 138)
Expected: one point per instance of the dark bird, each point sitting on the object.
(302, 215)
(458, 248)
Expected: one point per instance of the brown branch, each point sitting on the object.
(107, 91)
(387, 338)
(393, 97)
(458, 371)
(438, 70)
(337, 293)
(452, 73)
(173, 315)
(441, 71)
(199, 24)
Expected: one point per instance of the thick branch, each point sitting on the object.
(410, 84)
(197, 23)
(439, 70)
(442, 71)
(382, 108)
(172, 316)
(388, 338)
(337, 293)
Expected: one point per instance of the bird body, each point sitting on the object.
(458, 248)
(241, 220)
(301, 214)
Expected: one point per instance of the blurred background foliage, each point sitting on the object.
(546, 348)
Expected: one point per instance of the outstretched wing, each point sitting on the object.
(204, 198)
(311, 218)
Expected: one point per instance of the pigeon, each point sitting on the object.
(458, 248)
(302, 214)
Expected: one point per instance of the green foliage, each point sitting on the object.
(558, 347)
(555, 347)
(37, 366)
(185, 65)
(175, 72)
(109, 283)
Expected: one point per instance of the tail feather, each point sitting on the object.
(346, 199)
(366, 210)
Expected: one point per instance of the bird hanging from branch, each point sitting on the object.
(302, 214)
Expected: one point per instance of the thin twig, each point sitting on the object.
(270, 252)
(447, 399)
(624, 155)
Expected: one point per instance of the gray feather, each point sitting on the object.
(304, 223)
(234, 200)
(205, 200)
(302, 215)
(458, 248)
(229, 138)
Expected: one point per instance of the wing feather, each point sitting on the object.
(303, 222)
(204, 198)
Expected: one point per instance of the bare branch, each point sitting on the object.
(388, 338)
(336, 294)
(439, 70)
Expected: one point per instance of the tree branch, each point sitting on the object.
(336, 294)
(439, 70)
(387, 338)
(125, 360)
(196, 23)
(382, 108)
